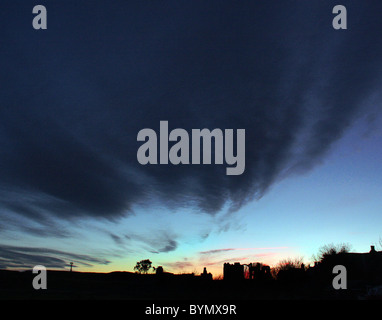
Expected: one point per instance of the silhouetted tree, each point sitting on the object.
(327, 252)
(289, 269)
(329, 256)
(288, 264)
(143, 266)
(380, 242)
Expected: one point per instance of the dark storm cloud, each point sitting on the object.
(74, 96)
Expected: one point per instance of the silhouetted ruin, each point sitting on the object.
(252, 271)
(259, 272)
(233, 272)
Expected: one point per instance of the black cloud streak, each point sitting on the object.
(73, 98)
(28, 257)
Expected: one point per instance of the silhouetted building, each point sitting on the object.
(205, 275)
(367, 266)
(233, 272)
(361, 267)
(159, 270)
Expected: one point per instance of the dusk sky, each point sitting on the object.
(74, 96)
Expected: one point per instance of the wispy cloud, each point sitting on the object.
(157, 241)
(247, 258)
(218, 251)
(180, 265)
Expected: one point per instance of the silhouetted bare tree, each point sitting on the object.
(287, 264)
(330, 250)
